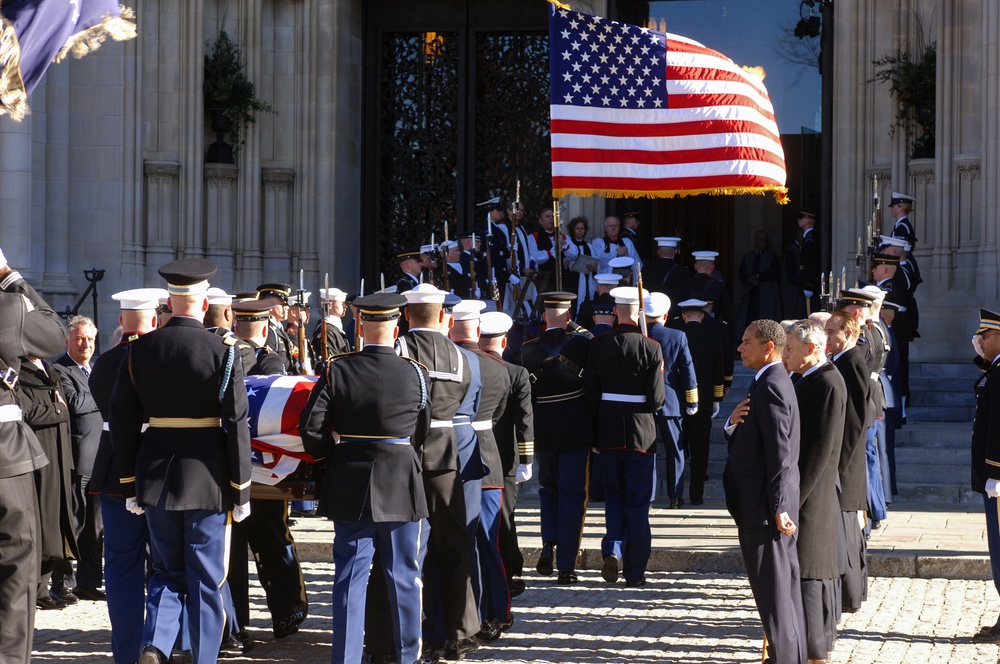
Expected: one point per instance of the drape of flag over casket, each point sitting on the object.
(36, 33)
(276, 402)
(636, 112)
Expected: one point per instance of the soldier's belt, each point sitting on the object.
(185, 422)
(442, 424)
(11, 413)
(462, 421)
(375, 439)
(484, 425)
(107, 427)
(555, 398)
(874, 376)
(624, 398)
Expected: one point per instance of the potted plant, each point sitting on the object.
(912, 82)
(230, 98)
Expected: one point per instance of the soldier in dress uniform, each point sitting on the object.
(680, 393)
(266, 529)
(459, 282)
(630, 226)
(666, 274)
(542, 252)
(277, 339)
(900, 207)
(707, 356)
(603, 312)
(514, 433)
(337, 342)
(449, 544)
(703, 280)
(495, 234)
(563, 428)
(809, 263)
(298, 320)
(28, 327)
(605, 282)
(409, 265)
(188, 472)
(900, 278)
(625, 388)
(373, 490)
(722, 331)
(126, 536)
(488, 579)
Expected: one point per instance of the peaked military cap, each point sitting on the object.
(251, 310)
(278, 290)
(603, 305)
(188, 276)
(495, 324)
(988, 320)
(380, 306)
(137, 299)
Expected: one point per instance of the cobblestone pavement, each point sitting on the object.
(677, 617)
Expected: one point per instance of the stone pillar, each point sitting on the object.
(55, 236)
(162, 200)
(221, 220)
(967, 202)
(988, 285)
(191, 126)
(276, 214)
(15, 193)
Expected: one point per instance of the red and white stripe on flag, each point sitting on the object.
(636, 112)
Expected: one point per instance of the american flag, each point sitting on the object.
(636, 112)
(275, 405)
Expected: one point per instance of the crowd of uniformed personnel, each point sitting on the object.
(421, 478)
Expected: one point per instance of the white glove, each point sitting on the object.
(3, 260)
(241, 512)
(523, 473)
(992, 488)
(978, 346)
(514, 279)
(715, 409)
(807, 293)
(691, 410)
(132, 506)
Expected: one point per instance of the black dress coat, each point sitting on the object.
(85, 418)
(822, 398)
(852, 467)
(46, 412)
(514, 431)
(492, 402)
(986, 429)
(102, 384)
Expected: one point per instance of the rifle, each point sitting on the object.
(642, 301)
(359, 340)
(472, 269)
(494, 290)
(323, 305)
(305, 367)
(514, 268)
(557, 240)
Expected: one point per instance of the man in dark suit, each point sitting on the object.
(373, 491)
(842, 333)
(761, 480)
(986, 447)
(189, 472)
(86, 424)
(624, 388)
(821, 393)
(28, 327)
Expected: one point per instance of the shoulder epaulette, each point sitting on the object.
(483, 353)
(230, 340)
(130, 338)
(340, 356)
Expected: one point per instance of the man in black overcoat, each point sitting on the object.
(761, 480)
(822, 395)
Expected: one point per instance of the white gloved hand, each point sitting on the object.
(241, 512)
(133, 506)
(976, 339)
(715, 409)
(992, 488)
(3, 260)
(523, 473)
(514, 279)
(691, 410)
(807, 293)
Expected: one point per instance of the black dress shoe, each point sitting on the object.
(676, 503)
(609, 570)
(150, 654)
(638, 583)
(457, 650)
(489, 631)
(516, 586)
(432, 652)
(49, 603)
(93, 594)
(290, 624)
(66, 597)
(236, 644)
(544, 566)
(697, 502)
(987, 635)
(567, 578)
(507, 622)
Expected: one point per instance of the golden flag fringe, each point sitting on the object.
(780, 193)
(560, 5)
(87, 41)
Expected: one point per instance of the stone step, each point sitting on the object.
(932, 456)
(940, 413)
(931, 473)
(938, 493)
(940, 397)
(937, 370)
(934, 434)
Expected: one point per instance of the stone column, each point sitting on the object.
(988, 285)
(967, 203)
(162, 201)
(55, 100)
(15, 193)
(191, 125)
(276, 214)
(221, 220)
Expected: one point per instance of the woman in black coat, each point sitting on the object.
(822, 398)
(46, 412)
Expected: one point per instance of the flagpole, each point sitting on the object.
(557, 239)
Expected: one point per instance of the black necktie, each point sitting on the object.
(752, 384)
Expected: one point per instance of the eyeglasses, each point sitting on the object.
(983, 335)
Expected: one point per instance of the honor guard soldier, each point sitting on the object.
(603, 311)
(266, 529)
(707, 356)
(514, 433)
(458, 279)
(409, 265)
(373, 490)
(605, 282)
(721, 332)
(28, 327)
(337, 342)
(276, 295)
(630, 226)
(666, 274)
(495, 234)
(190, 471)
(488, 580)
(556, 362)
(449, 543)
(900, 207)
(986, 447)
(624, 390)
(681, 393)
(704, 280)
(809, 262)
(126, 536)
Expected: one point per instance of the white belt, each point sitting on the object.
(484, 425)
(626, 398)
(11, 413)
(442, 424)
(107, 427)
(874, 376)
